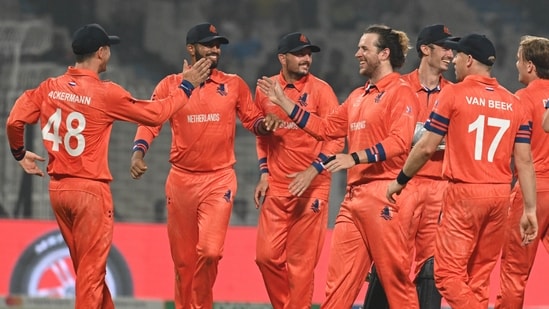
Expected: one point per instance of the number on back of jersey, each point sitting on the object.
(74, 123)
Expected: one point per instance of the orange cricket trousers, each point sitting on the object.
(84, 212)
(425, 221)
(290, 236)
(199, 208)
(468, 242)
(370, 229)
(516, 259)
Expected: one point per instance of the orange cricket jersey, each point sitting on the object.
(289, 150)
(427, 97)
(203, 132)
(378, 119)
(76, 111)
(533, 98)
(482, 121)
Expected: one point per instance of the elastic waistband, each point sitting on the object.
(461, 183)
(64, 177)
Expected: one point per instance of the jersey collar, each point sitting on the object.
(298, 85)
(74, 71)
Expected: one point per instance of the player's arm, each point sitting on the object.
(335, 126)
(262, 147)
(401, 123)
(328, 104)
(145, 135)
(25, 111)
(420, 154)
(251, 114)
(527, 178)
(121, 105)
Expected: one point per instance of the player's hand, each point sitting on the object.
(528, 227)
(339, 162)
(393, 188)
(138, 166)
(301, 180)
(272, 89)
(261, 190)
(272, 122)
(28, 163)
(198, 72)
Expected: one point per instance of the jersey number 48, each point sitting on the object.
(75, 124)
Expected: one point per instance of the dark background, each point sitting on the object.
(35, 38)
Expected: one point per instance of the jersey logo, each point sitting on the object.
(489, 88)
(227, 195)
(72, 84)
(378, 97)
(315, 207)
(221, 90)
(386, 213)
(303, 99)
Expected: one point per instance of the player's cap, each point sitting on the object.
(204, 33)
(90, 37)
(434, 34)
(476, 45)
(295, 41)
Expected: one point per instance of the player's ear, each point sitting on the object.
(282, 58)
(191, 49)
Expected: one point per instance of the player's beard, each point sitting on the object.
(297, 74)
(198, 56)
(370, 69)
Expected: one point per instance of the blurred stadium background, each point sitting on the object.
(35, 37)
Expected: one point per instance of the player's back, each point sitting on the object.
(483, 124)
(75, 128)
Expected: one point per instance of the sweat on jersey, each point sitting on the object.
(289, 150)
(203, 132)
(427, 98)
(482, 122)
(378, 119)
(76, 112)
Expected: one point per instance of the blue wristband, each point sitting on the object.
(318, 167)
(187, 87)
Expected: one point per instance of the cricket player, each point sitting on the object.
(484, 126)
(426, 81)
(293, 183)
(201, 184)
(517, 260)
(378, 120)
(76, 112)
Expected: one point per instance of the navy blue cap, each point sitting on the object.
(90, 37)
(436, 34)
(204, 33)
(476, 45)
(295, 41)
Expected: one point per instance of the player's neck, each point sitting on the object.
(428, 76)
